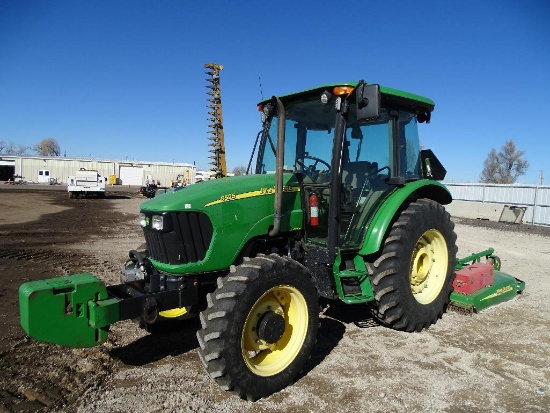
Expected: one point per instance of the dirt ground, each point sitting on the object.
(496, 361)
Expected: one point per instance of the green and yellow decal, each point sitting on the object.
(499, 292)
(251, 194)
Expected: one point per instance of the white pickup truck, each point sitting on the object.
(86, 183)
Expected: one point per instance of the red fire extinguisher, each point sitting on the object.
(313, 210)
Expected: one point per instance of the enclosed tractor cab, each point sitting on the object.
(342, 205)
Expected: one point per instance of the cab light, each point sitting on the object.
(326, 96)
(157, 222)
(342, 90)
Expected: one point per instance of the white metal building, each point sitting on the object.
(534, 198)
(43, 169)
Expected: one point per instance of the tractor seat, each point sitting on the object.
(354, 175)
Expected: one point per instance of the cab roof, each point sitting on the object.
(389, 96)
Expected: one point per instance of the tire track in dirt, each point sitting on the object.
(39, 376)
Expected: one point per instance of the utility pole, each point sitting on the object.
(541, 177)
(216, 120)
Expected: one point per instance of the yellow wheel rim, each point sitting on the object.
(267, 359)
(429, 266)
(173, 313)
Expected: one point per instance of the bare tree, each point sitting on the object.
(21, 149)
(48, 147)
(239, 170)
(505, 166)
(10, 148)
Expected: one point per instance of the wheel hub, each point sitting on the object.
(422, 263)
(275, 330)
(270, 327)
(428, 266)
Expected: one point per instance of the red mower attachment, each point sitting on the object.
(473, 278)
(480, 285)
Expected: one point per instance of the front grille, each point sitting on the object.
(187, 240)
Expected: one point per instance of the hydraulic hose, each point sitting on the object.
(277, 215)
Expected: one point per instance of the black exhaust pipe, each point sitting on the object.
(277, 216)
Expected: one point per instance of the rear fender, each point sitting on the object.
(385, 215)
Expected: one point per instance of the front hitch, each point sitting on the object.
(72, 311)
(77, 310)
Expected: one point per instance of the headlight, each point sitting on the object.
(142, 220)
(157, 222)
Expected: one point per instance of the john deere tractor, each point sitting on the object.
(342, 204)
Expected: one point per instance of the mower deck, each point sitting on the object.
(505, 287)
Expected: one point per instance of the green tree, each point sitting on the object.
(504, 166)
(48, 147)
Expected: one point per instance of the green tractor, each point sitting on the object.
(343, 204)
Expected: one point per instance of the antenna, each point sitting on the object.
(260, 82)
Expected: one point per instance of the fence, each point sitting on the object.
(535, 198)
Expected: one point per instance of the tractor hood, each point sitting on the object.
(204, 195)
(226, 213)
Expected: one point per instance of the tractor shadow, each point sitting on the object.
(178, 337)
(357, 314)
(333, 320)
(163, 339)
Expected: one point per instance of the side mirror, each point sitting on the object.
(431, 167)
(367, 98)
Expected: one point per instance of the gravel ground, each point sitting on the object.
(494, 361)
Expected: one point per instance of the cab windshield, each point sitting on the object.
(309, 133)
(309, 137)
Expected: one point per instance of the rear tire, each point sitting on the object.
(260, 326)
(412, 278)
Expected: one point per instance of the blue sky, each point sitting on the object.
(125, 79)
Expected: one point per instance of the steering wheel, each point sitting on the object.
(311, 170)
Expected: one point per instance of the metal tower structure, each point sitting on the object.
(216, 120)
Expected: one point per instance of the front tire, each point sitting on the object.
(260, 326)
(412, 279)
